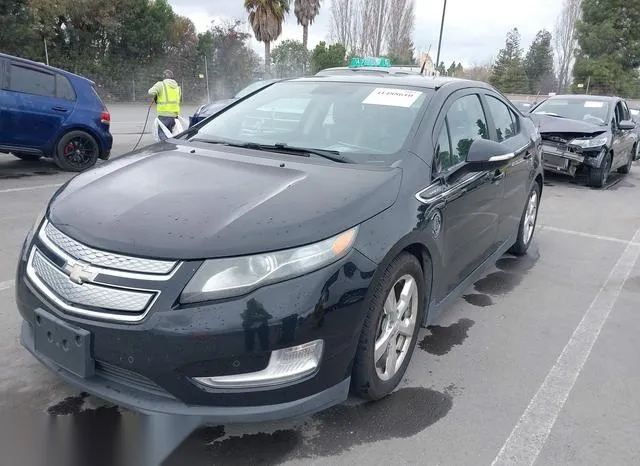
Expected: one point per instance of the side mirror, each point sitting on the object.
(626, 125)
(485, 154)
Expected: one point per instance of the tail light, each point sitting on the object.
(105, 117)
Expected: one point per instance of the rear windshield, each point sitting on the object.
(366, 122)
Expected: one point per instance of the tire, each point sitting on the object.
(368, 381)
(636, 151)
(76, 151)
(27, 157)
(627, 168)
(528, 222)
(598, 176)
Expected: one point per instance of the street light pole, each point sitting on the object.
(444, 10)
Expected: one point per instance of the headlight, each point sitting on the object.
(225, 278)
(590, 143)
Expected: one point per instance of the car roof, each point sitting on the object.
(601, 98)
(427, 82)
(44, 66)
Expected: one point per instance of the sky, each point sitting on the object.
(473, 33)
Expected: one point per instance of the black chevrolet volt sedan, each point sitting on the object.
(282, 253)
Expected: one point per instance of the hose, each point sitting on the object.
(146, 120)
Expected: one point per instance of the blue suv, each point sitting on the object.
(47, 112)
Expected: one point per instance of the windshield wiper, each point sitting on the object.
(333, 155)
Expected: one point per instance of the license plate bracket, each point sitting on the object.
(66, 345)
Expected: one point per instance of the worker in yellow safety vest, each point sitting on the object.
(167, 95)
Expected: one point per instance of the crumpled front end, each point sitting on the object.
(560, 155)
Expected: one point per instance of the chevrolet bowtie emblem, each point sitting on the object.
(79, 273)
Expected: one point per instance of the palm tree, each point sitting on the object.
(266, 18)
(306, 11)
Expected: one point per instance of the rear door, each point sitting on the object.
(33, 113)
(507, 129)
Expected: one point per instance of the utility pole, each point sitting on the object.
(444, 10)
(588, 83)
(206, 76)
(46, 52)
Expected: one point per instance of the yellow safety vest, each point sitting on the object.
(168, 100)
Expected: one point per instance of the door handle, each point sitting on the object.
(59, 109)
(497, 175)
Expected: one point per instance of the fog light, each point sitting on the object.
(285, 365)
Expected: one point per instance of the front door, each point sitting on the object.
(31, 112)
(473, 200)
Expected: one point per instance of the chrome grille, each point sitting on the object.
(87, 294)
(97, 284)
(105, 259)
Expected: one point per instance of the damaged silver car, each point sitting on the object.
(586, 133)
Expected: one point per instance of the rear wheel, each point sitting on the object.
(28, 157)
(527, 223)
(388, 338)
(76, 151)
(598, 176)
(627, 168)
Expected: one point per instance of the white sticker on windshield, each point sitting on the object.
(593, 104)
(392, 97)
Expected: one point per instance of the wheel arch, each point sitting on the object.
(414, 245)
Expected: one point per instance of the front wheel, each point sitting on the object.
(388, 338)
(527, 223)
(76, 151)
(598, 176)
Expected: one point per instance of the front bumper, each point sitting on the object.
(148, 401)
(150, 366)
(565, 161)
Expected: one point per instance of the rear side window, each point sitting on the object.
(504, 119)
(30, 81)
(64, 89)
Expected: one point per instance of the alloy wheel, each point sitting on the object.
(530, 216)
(79, 151)
(396, 327)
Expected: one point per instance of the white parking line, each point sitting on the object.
(30, 188)
(589, 235)
(534, 426)
(6, 285)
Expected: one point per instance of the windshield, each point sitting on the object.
(635, 114)
(593, 111)
(250, 88)
(365, 122)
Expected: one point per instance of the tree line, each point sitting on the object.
(595, 49)
(123, 45)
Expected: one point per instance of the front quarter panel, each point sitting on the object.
(406, 226)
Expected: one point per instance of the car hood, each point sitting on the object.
(210, 109)
(550, 124)
(169, 203)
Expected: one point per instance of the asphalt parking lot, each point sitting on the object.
(537, 364)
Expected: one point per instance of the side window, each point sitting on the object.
(504, 119)
(64, 89)
(467, 122)
(443, 159)
(30, 81)
(625, 111)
